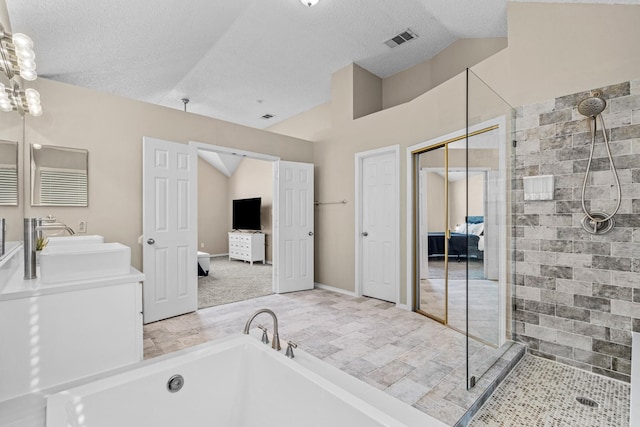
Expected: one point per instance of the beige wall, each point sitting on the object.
(408, 84)
(545, 58)
(435, 203)
(112, 128)
(367, 92)
(458, 199)
(213, 209)
(254, 178)
(311, 125)
(551, 57)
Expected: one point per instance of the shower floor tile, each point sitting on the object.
(405, 354)
(539, 392)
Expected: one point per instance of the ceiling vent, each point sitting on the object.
(267, 116)
(401, 38)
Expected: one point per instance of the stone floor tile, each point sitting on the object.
(385, 354)
(407, 390)
(419, 355)
(429, 374)
(390, 373)
(344, 356)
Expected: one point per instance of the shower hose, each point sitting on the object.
(593, 220)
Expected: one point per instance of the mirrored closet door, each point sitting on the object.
(451, 210)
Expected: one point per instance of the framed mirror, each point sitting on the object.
(59, 176)
(8, 173)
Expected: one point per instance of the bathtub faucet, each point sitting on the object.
(275, 344)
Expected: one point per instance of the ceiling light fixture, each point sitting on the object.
(185, 101)
(309, 2)
(18, 57)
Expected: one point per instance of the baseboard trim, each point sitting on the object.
(403, 306)
(333, 289)
(219, 255)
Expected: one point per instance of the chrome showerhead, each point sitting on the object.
(592, 106)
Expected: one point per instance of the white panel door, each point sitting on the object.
(294, 224)
(379, 227)
(169, 229)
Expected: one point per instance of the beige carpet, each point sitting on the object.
(231, 281)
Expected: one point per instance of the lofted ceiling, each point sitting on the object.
(237, 60)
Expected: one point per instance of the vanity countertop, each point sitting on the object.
(16, 287)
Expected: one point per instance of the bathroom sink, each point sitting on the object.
(75, 240)
(90, 261)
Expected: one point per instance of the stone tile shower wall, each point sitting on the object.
(578, 295)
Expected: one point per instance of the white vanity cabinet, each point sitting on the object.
(55, 333)
(246, 246)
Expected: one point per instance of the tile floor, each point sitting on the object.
(407, 355)
(539, 392)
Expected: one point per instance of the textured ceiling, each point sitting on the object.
(239, 59)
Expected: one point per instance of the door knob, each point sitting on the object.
(150, 241)
(365, 234)
(311, 233)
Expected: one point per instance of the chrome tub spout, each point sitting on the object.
(275, 343)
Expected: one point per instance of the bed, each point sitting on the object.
(467, 241)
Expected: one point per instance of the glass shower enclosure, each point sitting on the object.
(463, 275)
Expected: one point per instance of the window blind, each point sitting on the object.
(8, 185)
(63, 187)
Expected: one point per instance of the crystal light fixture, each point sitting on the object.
(309, 2)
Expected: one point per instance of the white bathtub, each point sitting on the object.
(236, 381)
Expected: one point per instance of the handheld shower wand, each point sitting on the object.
(597, 222)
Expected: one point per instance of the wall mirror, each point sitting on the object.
(8, 173)
(59, 176)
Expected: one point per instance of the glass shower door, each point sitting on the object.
(490, 131)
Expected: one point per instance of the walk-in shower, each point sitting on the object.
(597, 222)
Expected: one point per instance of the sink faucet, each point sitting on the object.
(55, 226)
(50, 224)
(275, 344)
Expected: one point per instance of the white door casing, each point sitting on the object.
(170, 233)
(378, 225)
(294, 243)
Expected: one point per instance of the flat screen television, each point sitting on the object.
(246, 214)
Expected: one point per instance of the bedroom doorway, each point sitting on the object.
(285, 225)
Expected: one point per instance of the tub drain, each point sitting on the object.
(175, 383)
(587, 402)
